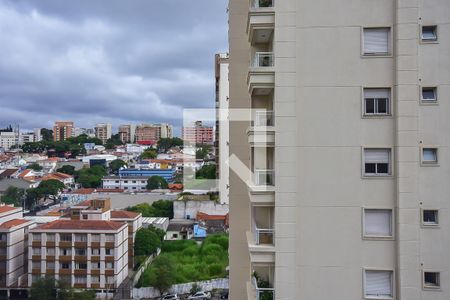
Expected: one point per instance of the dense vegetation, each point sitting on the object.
(165, 144)
(160, 208)
(188, 262)
(46, 288)
(157, 182)
(206, 172)
(70, 147)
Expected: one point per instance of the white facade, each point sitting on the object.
(8, 140)
(129, 184)
(103, 132)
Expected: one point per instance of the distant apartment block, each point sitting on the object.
(8, 140)
(198, 134)
(127, 183)
(13, 247)
(152, 133)
(37, 134)
(127, 133)
(62, 130)
(89, 254)
(103, 132)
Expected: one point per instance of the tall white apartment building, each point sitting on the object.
(13, 250)
(348, 196)
(8, 140)
(37, 134)
(222, 136)
(103, 132)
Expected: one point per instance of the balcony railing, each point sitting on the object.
(263, 293)
(264, 118)
(264, 177)
(262, 3)
(263, 59)
(263, 236)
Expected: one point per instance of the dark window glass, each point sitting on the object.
(370, 168)
(430, 216)
(382, 168)
(431, 278)
(382, 106)
(370, 105)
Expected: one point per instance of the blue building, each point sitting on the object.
(167, 174)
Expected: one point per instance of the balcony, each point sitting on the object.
(261, 21)
(263, 289)
(262, 131)
(261, 74)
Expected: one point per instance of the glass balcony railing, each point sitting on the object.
(263, 59)
(264, 118)
(264, 177)
(263, 293)
(263, 236)
(262, 3)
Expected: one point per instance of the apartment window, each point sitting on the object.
(36, 265)
(65, 251)
(50, 237)
(80, 279)
(95, 279)
(80, 252)
(81, 238)
(109, 251)
(429, 155)
(109, 265)
(2, 237)
(376, 41)
(431, 280)
(36, 251)
(377, 101)
(85, 217)
(95, 251)
(117, 181)
(134, 181)
(80, 266)
(50, 265)
(430, 217)
(110, 279)
(109, 237)
(95, 265)
(377, 162)
(36, 236)
(378, 223)
(429, 33)
(429, 95)
(65, 237)
(65, 266)
(50, 251)
(378, 284)
(95, 237)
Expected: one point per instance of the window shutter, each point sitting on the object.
(378, 222)
(376, 40)
(377, 93)
(377, 155)
(379, 283)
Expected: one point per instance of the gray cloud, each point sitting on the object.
(107, 61)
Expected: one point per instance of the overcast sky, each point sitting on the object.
(115, 61)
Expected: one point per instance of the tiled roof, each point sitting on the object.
(81, 225)
(123, 214)
(6, 208)
(13, 223)
(8, 172)
(84, 191)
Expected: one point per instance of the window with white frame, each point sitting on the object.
(95, 237)
(50, 251)
(95, 251)
(65, 251)
(65, 237)
(65, 266)
(109, 237)
(36, 236)
(430, 217)
(50, 265)
(80, 238)
(431, 279)
(36, 265)
(109, 251)
(80, 279)
(377, 162)
(378, 284)
(81, 266)
(80, 252)
(36, 251)
(378, 222)
(377, 101)
(429, 33)
(95, 279)
(50, 237)
(376, 41)
(95, 265)
(110, 279)
(429, 94)
(109, 265)
(429, 155)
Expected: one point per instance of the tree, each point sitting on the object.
(157, 182)
(113, 142)
(47, 134)
(149, 154)
(35, 167)
(43, 289)
(165, 144)
(67, 169)
(32, 197)
(163, 275)
(51, 187)
(206, 172)
(90, 177)
(147, 242)
(202, 152)
(160, 208)
(116, 164)
(13, 195)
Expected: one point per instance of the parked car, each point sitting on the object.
(200, 296)
(224, 295)
(170, 297)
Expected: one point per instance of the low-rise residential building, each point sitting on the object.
(180, 229)
(160, 223)
(90, 254)
(127, 183)
(13, 239)
(134, 221)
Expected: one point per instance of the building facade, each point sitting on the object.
(62, 130)
(346, 148)
(198, 134)
(127, 133)
(222, 136)
(128, 183)
(103, 132)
